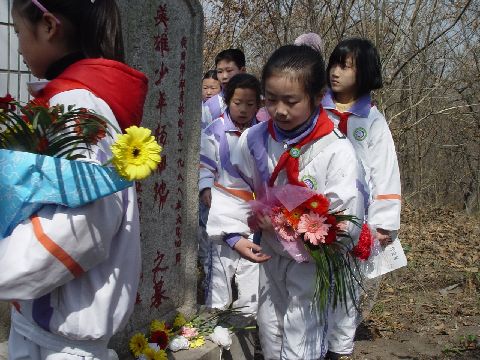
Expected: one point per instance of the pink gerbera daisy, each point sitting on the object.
(283, 227)
(314, 228)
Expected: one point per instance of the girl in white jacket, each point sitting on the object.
(218, 176)
(354, 70)
(72, 274)
(291, 325)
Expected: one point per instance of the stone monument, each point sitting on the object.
(163, 39)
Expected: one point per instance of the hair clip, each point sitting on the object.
(44, 10)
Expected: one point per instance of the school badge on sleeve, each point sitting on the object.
(359, 134)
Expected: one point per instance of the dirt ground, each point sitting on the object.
(431, 308)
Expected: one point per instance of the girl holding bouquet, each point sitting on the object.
(354, 71)
(72, 273)
(297, 146)
(218, 176)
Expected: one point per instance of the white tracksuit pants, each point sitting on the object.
(291, 326)
(224, 263)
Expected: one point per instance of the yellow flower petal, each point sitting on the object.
(137, 344)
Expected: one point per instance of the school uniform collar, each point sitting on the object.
(360, 108)
(229, 126)
(296, 135)
(60, 65)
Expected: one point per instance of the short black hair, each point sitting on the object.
(301, 63)
(210, 74)
(235, 55)
(242, 81)
(366, 59)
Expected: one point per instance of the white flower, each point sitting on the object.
(154, 346)
(178, 343)
(222, 337)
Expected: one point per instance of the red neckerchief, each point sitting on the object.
(343, 117)
(289, 159)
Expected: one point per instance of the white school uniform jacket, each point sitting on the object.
(368, 131)
(73, 273)
(327, 165)
(213, 108)
(217, 172)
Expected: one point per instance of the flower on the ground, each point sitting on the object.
(197, 342)
(222, 337)
(188, 332)
(151, 354)
(314, 228)
(178, 343)
(136, 154)
(157, 325)
(160, 337)
(179, 321)
(138, 343)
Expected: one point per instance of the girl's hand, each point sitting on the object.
(265, 223)
(206, 197)
(250, 251)
(384, 237)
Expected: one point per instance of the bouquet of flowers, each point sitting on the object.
(182, 335)
(40, 146)
(310, 232)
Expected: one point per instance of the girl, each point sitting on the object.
(291, 326)
(73, 273)
(210, 85)
(354, 70)
(217, 176)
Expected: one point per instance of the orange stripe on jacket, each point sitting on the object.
(54, 249)
(242, 194)
(388, 197)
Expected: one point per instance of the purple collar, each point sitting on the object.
(295, 136)
(361, 107)
(228, 123)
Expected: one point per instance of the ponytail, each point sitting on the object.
(96, 26)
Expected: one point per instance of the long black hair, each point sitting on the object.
(97, 28)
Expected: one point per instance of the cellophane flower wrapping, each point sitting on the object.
(310, 232)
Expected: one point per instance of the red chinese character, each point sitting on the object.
(161, 194)
(182, 96)
(178, 257)
(182, 70)
(161, 73)
(184, 42)
(180, 192)
(179, 220)
(178, 243)
(161, 16)
(181, 109)
(158, 268)
(183, 55)
(162, 101)
(180, 163)
(180, 136)
(138, 299)
(180, 123)
(158, 294)
(162, 166)
(161, 43)
(161, 134)
(178, 206)
(180, 177)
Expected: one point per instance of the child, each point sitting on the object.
(210, 85)
(228, 63)
(354, 70)
(242, 94)
(291, 326)
(73, 272)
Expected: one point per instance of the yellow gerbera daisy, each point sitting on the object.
(197, 342)
(149, 353)
(136, 154)
(138, 343)
(160, 355)
(157, 325)
(179, 321)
